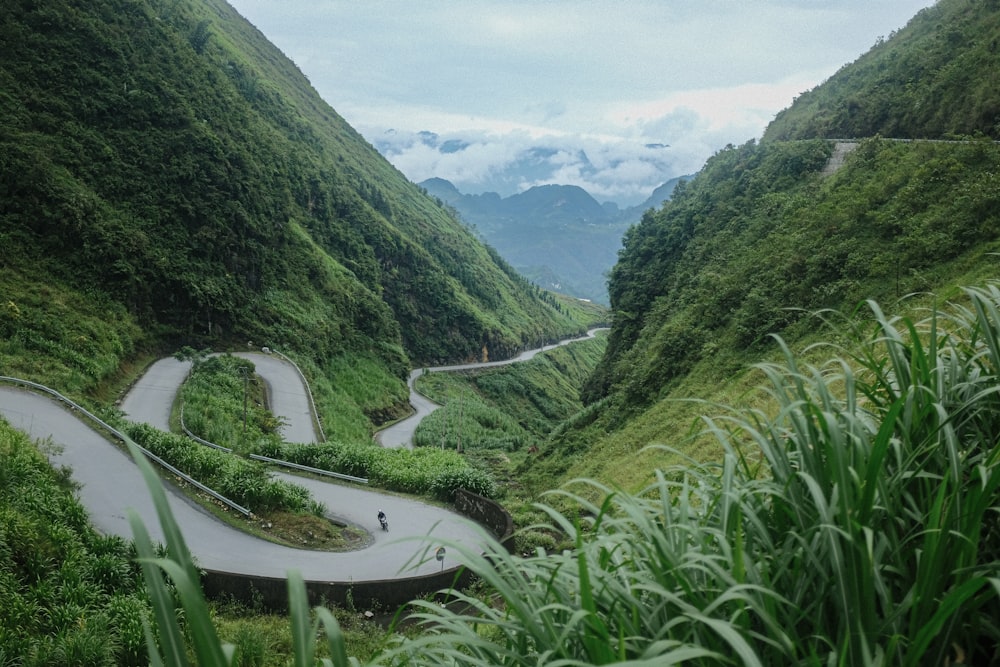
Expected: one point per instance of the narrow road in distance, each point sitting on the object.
(401, 433)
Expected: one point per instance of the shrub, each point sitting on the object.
(424, 471)
(242, 481)
(471, 479)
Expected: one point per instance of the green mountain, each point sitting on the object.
(166, 170)
(168, 178)
(937, 77)
(763, 237)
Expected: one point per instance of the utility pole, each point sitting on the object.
(246, 380)
(461, 405)
(444, 433)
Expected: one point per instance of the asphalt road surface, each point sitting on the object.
(111, 484)
(150, 399)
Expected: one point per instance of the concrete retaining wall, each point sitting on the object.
(272, 592)
(489, 513)
(389, 594)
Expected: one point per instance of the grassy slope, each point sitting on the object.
(824, 535)
(758, 239)
(69, 595)
(660, 419)
(488, 291)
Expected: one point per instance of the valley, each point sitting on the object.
(781, 451)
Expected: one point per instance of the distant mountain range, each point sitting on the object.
(558, 236)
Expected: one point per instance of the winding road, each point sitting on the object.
(110, 483)
(400, 434)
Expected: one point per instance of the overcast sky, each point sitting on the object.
(622, 94)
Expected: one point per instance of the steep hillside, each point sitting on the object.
(164, 156)
(936, 77)
(761, 237)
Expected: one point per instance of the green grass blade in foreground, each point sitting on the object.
(176, 546)
(209, 650)
(947, 609)
(334, 640)
(171, 637)
(181, 569)
(304, 632)
(303, 643)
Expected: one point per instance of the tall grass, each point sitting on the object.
(468, 423)
(853, 521)
(241, 480)
(176, 635)
(424, 471)
(222, 404)
(68, 596)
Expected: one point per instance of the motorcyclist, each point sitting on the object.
(382, 520)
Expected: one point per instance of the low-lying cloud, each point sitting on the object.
(623, 166)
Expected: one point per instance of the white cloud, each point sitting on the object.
(625, 171)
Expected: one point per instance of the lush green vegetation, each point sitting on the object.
(223, 402)
(168, 178)
(470, 423)
(691, 282)
(430, 472)
(825, 534)
(355, 393)
(69, 595)
(215, 392)
(503, 416)
(241, 480)
(935, 78)
(60, 336)
(72, 597)
(507, 407)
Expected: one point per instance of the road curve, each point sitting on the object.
(110, 483)
(150, 399)
(400, 434)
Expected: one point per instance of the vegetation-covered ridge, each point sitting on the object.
(759, 238)
(69, 595)
(934, 78)
(764, 234)
(168, 162)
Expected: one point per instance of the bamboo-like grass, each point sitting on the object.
(852, 522)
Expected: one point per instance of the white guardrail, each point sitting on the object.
(124, 438)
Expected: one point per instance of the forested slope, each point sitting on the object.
(163, 158)
(937, 76)
(760, 239)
